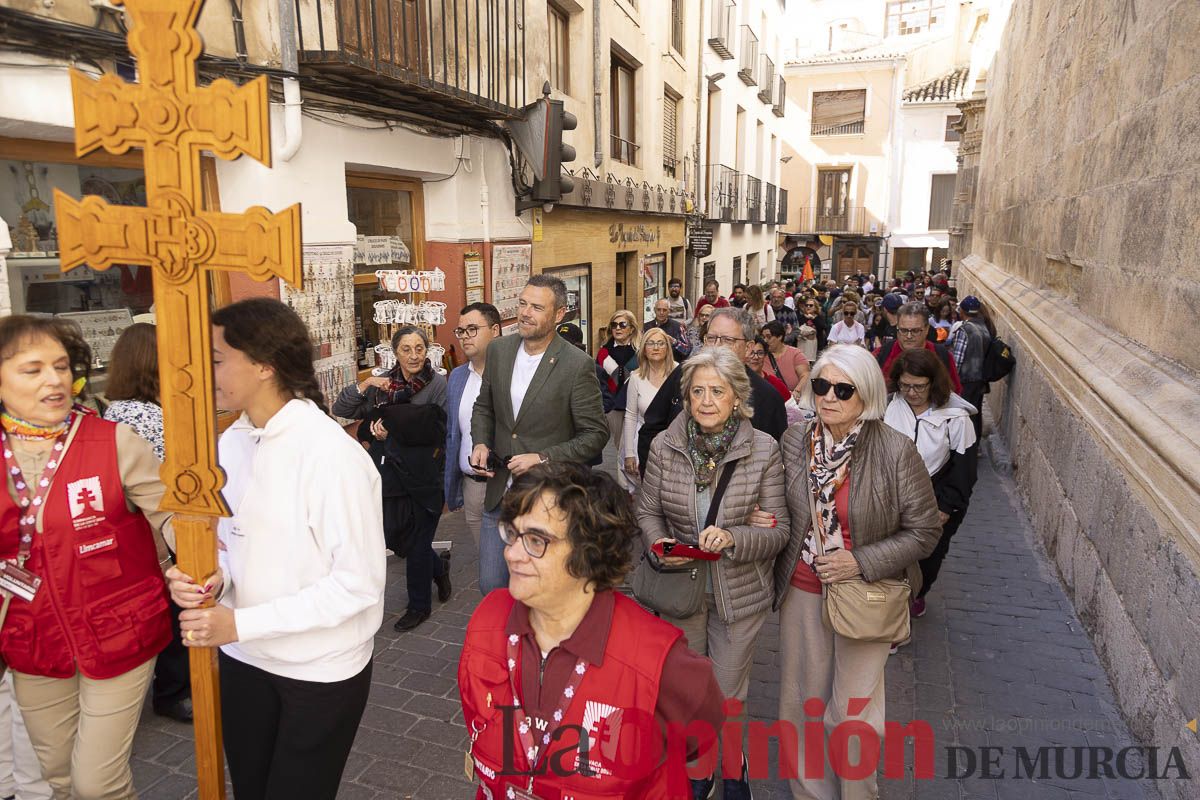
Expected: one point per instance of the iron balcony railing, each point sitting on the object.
(437, 58)
(766, 79)
(623, 150)
(749, 59)
(821, 129)
(753, 200)
(769, 208)
(783, 209)
(720, 39)
(724, 191)
(780, 97)
(848, 220)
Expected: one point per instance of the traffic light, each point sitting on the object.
(539, 136)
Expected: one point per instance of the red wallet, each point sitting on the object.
(678, 550)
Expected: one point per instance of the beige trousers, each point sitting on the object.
(816, 662)
(729, 645)
(82, 730)
(473, 496)
(616, 429)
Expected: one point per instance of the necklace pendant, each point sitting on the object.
(711, 464)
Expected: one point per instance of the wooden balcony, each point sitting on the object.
(446, 59)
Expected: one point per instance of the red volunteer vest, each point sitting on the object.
(615, 704)
(102, 606)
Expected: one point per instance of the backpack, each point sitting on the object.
(998, 360)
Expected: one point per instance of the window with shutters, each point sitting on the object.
(670, 132)
(677, 26)
(839, 113)
(941, 200)
(559, 26)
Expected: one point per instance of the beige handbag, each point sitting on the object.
(864, 611)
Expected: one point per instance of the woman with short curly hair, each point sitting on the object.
(711, 442)
(568, 650)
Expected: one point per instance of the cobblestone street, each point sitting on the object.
(1000, 659)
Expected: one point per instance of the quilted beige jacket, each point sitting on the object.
(742, 582)
(893, 513)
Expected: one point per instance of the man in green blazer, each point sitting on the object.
(539, 401)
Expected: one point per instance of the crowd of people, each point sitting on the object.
(775, 451)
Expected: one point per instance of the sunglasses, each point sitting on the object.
(620, 325)
(842, 391)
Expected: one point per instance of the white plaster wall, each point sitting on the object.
(923, 153)
(36, 96)
(316, 178)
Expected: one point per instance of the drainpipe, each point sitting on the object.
(292, 104)
(596, 67)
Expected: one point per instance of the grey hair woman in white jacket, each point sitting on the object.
(302, 565)
(939, 422)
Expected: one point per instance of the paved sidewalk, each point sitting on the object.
(999, 660)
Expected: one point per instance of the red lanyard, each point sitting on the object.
(31, 505)
(534, 751)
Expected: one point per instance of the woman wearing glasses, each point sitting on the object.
(848, 330)
(867, 489)
(403, 425)
(712, 481)
(926, 411)
(618, 358)
(567, 650)
(655, 362)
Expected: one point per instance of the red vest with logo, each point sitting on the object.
(615, 704)
(102, 606)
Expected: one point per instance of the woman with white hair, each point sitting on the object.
(707, 474)
(865, 489)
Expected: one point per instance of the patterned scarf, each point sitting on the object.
(401, 390)
(830, 464)
(707, 450)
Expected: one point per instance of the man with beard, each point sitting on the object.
(539, 401)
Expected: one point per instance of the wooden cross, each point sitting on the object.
(172, 121)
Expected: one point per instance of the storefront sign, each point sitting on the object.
(618, 233)
(700, 241)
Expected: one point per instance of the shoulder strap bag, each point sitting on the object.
(866, 612)
(678, 591)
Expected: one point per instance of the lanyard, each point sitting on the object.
(30, 505)
(533, 751)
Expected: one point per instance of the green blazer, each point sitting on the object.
(562, 416)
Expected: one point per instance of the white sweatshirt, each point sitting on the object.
(304, 561)
(937, 431)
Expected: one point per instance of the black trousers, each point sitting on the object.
(172, 673)
(932, 565)
(973, 392)
(287, 739)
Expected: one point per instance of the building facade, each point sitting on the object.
(741, 141)
(1082, 199)
(628, 72)
(391, 144)
(870, 167)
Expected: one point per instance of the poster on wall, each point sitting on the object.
(510, 272)
(326, 305)
(473, 270)
(100, 329)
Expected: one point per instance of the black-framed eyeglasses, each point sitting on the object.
(535, 544)
(621, 325)
(842, 391)
(469, 332)
(757, 354)
(911, 331)
(849, 313)
(724, 341)
(913, 388)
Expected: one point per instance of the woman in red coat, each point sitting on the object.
(85, 605)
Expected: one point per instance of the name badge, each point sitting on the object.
(19, 581)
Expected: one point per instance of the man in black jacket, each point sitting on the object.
(732, 328)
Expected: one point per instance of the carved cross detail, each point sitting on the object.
(172, 120)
